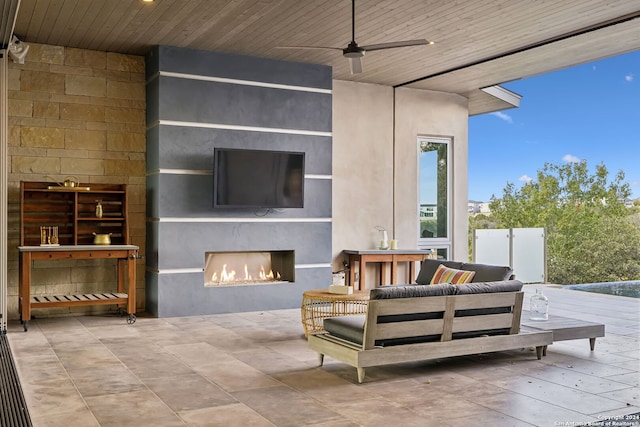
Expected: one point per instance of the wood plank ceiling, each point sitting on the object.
(478, 43)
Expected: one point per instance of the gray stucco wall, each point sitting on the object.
(197, 101)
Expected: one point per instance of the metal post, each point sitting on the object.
(4, 162)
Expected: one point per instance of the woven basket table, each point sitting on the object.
(320, 304)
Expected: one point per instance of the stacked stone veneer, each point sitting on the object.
(75, 112)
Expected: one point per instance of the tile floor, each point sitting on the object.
(254, 369)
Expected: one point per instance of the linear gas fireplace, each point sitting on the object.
(249, 268)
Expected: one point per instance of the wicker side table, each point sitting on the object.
(320, 304)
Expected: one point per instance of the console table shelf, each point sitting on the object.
(73, 211)
(46, 301)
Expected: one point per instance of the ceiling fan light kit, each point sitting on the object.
(354, 53)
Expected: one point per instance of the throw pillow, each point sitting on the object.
(428, 268)
(451, 275)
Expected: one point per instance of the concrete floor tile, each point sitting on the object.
(108, 331)
(198, 354)
(188, 392)
(633, 365)
(487, 417)
(112, 320)
(295, 348)
(273, 362)
(631, 378)
(86, 357)
(235, 376)
(533, 411)
(106, 379)
(558, 395)
(154, 365)
(234, 415)
(445, 407)
(136, 408)
(72, 339)
(586, 366)
(285, 407)
(629, 396)
(80, 418)
(385, 412)
(36, 368)
(570, 378)
(32, 343)
(631, 354)
(53, 324)
(340, 423)
(324, 387)
(53, 397)
(583, 352)
(231, 342)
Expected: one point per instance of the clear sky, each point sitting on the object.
(589, 112)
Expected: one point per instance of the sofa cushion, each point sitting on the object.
(488, 287)
(410, 291)
(429, 267)
(488, 273)
(350, 328)
(451, 275)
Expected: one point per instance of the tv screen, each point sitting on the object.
(257, 179)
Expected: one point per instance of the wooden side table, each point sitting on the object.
(319, 304)
(564, 328)
(383, 257)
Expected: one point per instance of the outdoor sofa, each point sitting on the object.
(425, 321)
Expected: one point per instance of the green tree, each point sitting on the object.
(591, 235)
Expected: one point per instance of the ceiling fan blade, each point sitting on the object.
(392, 45)
(356, 65)
(308, 47)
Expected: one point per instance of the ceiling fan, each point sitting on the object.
(354, 52)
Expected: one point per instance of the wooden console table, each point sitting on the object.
(384, 258)
(126, 274)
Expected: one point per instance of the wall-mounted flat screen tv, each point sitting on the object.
(257, 179)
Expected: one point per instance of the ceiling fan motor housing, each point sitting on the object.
(353, 50)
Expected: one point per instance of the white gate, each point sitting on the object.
(523, 249)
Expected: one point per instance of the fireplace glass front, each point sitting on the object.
(249, 268)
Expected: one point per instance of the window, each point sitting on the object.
(434, 220)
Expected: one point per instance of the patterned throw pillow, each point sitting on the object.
(451, 275)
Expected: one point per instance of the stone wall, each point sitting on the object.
(75, 112)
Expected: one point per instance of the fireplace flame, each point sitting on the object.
(230, 276)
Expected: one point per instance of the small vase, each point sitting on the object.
(384, 240)
(98, 209)
(539, 310)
